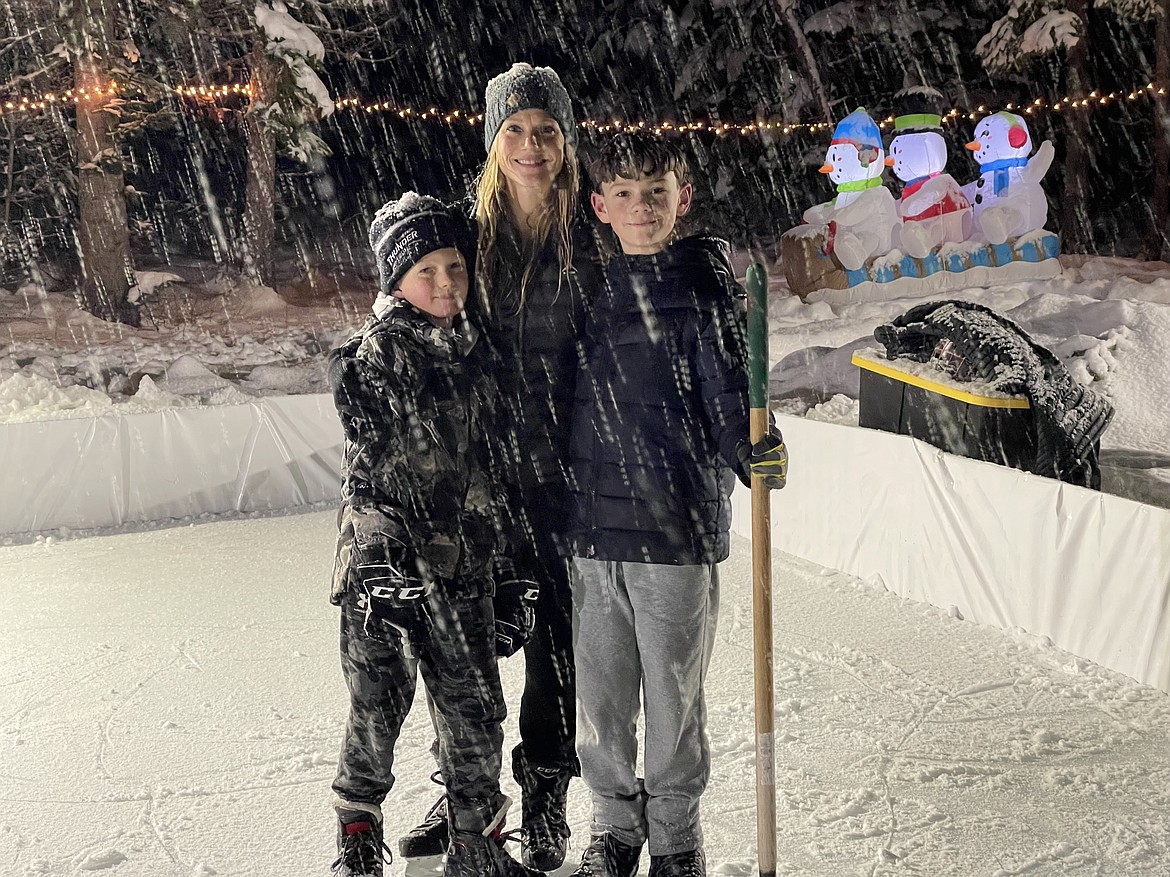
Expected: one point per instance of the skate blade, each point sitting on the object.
(424, 866)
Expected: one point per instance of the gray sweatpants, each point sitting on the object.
(644, 630)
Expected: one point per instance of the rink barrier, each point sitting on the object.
(274, 453)
(999, 546)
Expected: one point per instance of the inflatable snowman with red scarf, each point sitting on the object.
(933, 208)
(862, 218)
(1007, 198)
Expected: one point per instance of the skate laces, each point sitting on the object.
(512, 835)
(547, 825)
(438, 810)
(361, 848)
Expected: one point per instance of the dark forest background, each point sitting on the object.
(186, 162)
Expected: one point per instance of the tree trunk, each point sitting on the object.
(260, 189)
(1158, 236)
(103, 235)
(787, 9)
(1075, 228)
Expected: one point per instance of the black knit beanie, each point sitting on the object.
(524, 87)
(405, 230)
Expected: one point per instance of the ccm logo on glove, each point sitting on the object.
(401, 593)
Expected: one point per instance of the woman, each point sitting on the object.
(536, 265)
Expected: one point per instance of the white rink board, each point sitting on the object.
(1088, 570)
(274, 453)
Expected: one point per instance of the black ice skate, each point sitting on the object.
(430, 837)
(546, 831)
(475, 855)
(360, 850)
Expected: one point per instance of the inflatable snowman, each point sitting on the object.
(933, 208)
(862, 218)
(1007, 198)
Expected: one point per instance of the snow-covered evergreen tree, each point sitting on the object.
(1031, 29)
(66, 154)
(285, 98)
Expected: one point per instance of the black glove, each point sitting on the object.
(767, 458)
(515, 607)
(390, 581)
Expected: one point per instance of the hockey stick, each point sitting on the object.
(757, 288)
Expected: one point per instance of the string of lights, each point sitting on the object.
(29, 104)
(217, 93)
(213, 92)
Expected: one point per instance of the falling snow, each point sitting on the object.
(170, 704)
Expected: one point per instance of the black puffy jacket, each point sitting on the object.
(537, 346)
(661, 405)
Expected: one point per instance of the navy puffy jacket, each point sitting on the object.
(661, 404)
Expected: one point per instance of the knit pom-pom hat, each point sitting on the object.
(860, 129)
(524, 87)
(405, 230)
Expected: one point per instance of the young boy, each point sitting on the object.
(417, 542)
(660, 428)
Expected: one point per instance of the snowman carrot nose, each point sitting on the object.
(890, 161)
(974, 145)
(825, 168)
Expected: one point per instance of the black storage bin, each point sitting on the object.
(896, 396)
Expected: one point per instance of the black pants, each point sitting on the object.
(548, 707)
(452, 643)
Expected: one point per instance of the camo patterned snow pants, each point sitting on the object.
(452, 643)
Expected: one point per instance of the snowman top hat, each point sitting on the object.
(918, 109)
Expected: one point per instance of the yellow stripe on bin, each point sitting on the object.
(890, 371)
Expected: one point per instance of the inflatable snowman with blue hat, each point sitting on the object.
(933, 208)
(1007, 198)
(862, 219)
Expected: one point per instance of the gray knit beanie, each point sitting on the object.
(525, 87)
(405, 230)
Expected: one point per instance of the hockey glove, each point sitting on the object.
(515, 608)
(387, 576)
(767, 458)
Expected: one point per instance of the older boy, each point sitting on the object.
(418, 539)
(660, 426)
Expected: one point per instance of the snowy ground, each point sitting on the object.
(171, 705)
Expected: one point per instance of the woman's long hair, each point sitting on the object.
(491, 208)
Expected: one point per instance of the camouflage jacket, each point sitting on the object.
(417, 498)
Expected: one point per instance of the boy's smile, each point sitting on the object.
(642, 212)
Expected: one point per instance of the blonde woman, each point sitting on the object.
(536, 266)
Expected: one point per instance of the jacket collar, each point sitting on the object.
(459, 339)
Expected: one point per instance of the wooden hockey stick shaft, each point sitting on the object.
(757, 287)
